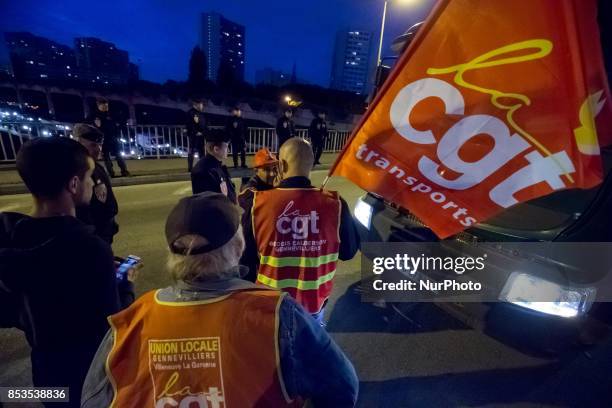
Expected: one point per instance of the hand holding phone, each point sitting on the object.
(127, 267)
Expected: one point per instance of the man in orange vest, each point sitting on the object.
(265, 165)
(213, 339)
(301, 231)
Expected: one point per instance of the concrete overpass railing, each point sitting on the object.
(146, 141)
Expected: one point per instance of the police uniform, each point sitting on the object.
(318, 134)
(102, 209)
(197, 128)
(210, 174)
(236, 130)
(110, 128)
(285, 130)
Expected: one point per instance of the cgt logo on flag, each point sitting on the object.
(470, 124)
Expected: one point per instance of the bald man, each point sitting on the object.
(299, 232)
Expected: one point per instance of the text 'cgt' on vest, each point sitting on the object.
(297, 234)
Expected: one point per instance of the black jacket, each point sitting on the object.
(196, 130)
(349, 238)
(62, 277)
(108, 125)
(101, 211)
(249, 258)
(236, 130)
(209, 174)
(317, 130)
(285, 129)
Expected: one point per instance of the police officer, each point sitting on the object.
(266, 171)
(237, 132)
(318, 134)
(103, 207)
(197, 130)
(103, 120)
(301, 231)
(210, 174)
(285, 128)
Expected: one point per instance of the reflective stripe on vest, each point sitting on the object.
(194, 353)
(295, 283)
(297, 234)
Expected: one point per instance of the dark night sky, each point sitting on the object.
(159, 34)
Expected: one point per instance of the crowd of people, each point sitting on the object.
(252, 273)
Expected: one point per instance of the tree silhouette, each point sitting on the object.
(226, 79)
(197, 71)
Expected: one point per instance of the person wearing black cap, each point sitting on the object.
(272, 353)
(285, 128)
(318, 135)
(237, 132)
(197, 130)
(103, 120)
(102, 209)
(210, 174)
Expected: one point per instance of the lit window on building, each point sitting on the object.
(43, 75)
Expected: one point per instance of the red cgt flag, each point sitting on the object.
(494, 103)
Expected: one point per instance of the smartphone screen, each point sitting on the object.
(125, 266)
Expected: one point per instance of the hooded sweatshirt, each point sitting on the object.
(62, 286)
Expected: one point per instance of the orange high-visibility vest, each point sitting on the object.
(298, 238)
(214, 353)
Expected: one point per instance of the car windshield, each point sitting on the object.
(552, 211)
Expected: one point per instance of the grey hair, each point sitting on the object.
(219, 263)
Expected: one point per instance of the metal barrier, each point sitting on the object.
(14, 134)
(147, 141)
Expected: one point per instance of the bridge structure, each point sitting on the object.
(303, 117)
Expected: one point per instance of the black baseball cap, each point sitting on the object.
(85, 131)
(210, 215)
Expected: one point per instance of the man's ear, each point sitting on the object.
(73, 185)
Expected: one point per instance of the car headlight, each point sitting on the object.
(530, 292)
(363, 213)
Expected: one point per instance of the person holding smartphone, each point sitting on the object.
(61, 275)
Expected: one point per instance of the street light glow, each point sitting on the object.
(288, 98)
(384, 15)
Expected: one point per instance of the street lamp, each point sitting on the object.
(382, 25)
(288, 98)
